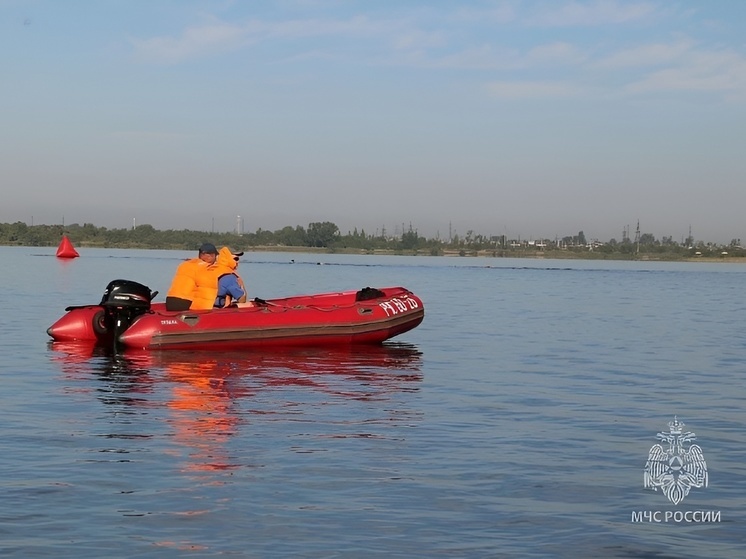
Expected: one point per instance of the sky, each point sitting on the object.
(532, 119)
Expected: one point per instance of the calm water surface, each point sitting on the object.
(514, 422)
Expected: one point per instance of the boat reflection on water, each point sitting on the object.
(205, 397)
(392, 364)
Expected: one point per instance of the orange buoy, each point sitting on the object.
(66, 249)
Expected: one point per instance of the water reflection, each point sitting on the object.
(124, 381)
(390, 365)
(206, 398)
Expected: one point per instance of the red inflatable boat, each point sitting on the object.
(126, 317)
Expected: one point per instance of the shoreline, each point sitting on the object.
(450, 253)
(539, 255)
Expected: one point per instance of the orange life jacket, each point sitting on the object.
(184, 281)
(205, 289)
(225, 264)
(195, 281)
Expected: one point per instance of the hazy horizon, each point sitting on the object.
(529, 119)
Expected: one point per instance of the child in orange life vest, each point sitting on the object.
(231, 288)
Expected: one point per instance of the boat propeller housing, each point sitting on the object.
(123, 301)
(127, 294)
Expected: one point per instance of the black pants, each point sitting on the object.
(177, 304)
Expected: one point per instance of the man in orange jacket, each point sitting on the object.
(188, 288)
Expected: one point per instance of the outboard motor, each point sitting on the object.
(123, 301)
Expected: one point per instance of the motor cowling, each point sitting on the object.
(127, 294)
(123, 301)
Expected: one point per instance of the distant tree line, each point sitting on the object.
(326, 236)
